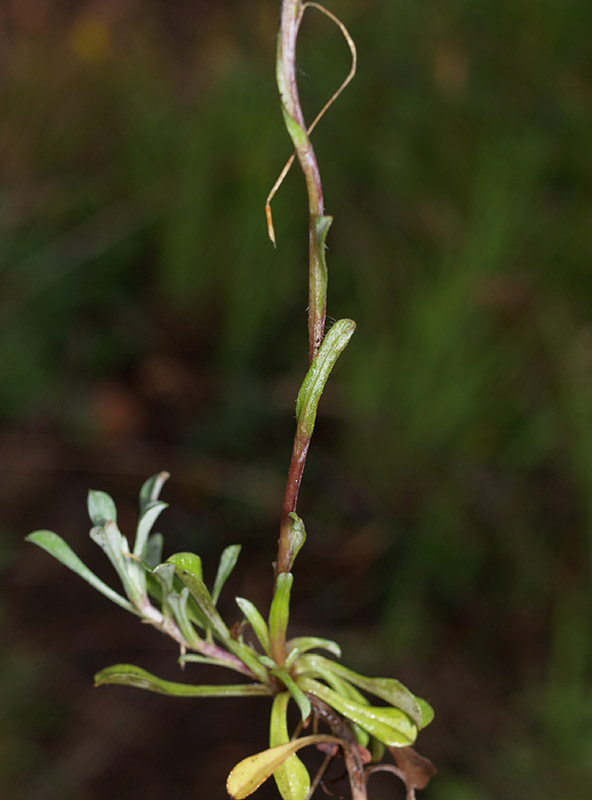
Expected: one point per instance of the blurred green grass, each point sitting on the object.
(141, 301)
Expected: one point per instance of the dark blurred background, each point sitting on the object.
(146, 323)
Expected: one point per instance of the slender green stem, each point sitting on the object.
(309, 396)
(292, 111)
(294, 119)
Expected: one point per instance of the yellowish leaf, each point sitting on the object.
(251, 772)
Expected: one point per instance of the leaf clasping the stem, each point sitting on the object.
(334, 343)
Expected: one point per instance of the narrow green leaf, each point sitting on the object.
(251, 772)
(280, 607)
(312, 387)
(388, 689)
(300, 698)
(291, 777)
(101, 508)
(130, 675)
(297, 537)
(151, 488)
(302, 644)
(256, 622)
(149, 516)
(227, 563)
(389, 725)
(57, 547)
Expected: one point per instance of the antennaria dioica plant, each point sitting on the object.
(365, 716)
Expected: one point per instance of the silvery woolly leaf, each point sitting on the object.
(149, 516)
(166, 575)
(151, 488)
(101, 508)
(59, 549)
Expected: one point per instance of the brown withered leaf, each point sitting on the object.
(416, 770)
(413, 769)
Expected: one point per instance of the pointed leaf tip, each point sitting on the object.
(151, 488)
(227, 563)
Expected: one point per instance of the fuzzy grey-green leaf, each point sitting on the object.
(149, 516)
(101, 508)
(227, 563)
(59, 549)
(151, 488)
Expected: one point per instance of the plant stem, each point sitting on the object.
(297, 462)
(317, 275)
(294, 119)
